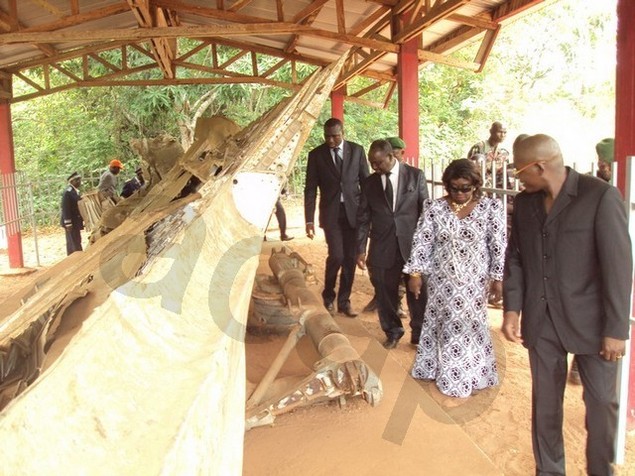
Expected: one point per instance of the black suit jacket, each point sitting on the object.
(321, 173)
(576, 262)
(70, 209)
(377, 219)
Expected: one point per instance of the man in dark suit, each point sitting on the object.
(392, 201)
(71, 219)
(569, 271)
(336, 168)
(134, 184)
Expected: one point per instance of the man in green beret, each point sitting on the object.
(605, 150)
(398, 147)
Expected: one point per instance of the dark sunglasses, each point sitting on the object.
(463, 189)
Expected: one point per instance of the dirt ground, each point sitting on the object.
(497, 420)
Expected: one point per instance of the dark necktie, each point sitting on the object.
(388, 190)
(337, 153)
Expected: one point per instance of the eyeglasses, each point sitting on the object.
(463, 189)
(516, 173)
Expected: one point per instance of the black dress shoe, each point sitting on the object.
(390, 343)
(330, 307)
(347, 311)
(372, 305)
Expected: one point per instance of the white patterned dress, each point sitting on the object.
(459, 258)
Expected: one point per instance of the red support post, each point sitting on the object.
(408, 90)
(337, 103)
(625, 89)
(9, 192)
(625, 128)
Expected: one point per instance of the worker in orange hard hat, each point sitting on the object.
(108, 180)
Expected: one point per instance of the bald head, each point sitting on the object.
(497, 133)
(539, 147)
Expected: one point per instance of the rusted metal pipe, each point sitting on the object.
(339, 372)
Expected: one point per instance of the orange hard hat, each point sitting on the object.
(116, 163)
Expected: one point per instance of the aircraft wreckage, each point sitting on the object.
(153, 381)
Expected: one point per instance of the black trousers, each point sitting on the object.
(281, 216)
(340, 240)
(548, 361)
(73, 240)
(386, 283)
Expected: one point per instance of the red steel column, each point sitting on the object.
(337, 103)
(625, 89)
(408, 89)
(9, 195)
(625, 127)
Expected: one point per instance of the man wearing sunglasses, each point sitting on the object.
(569, 272)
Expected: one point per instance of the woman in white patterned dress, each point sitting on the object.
(459, 245)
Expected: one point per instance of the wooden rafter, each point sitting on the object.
(468, 33)
(369, 20)
(7, 24)
(13, 14)
(238, 4)
(228, 22)
(354, 68)
(207, 12)
(341, 16)
(5, 21)
(99, 59)
(417, 8)
(267, 51)
(48, 6)
(307, 11)
(164, 49)
(478, 22)
(436, 13)
(369, 88)
(427, 56)
(389, 93)
(359, 68)
(486, 48)
(301, 19)
(280, 10)
(154, 32)
(275, 68)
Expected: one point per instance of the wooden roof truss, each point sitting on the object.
(222, 45)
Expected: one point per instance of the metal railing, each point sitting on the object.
(30, 203)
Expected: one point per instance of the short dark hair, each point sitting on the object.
(465, 169)
(380, 145)
(332, 122)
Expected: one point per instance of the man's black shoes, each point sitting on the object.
(347, 311)
(390, 343)
(371, 306)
